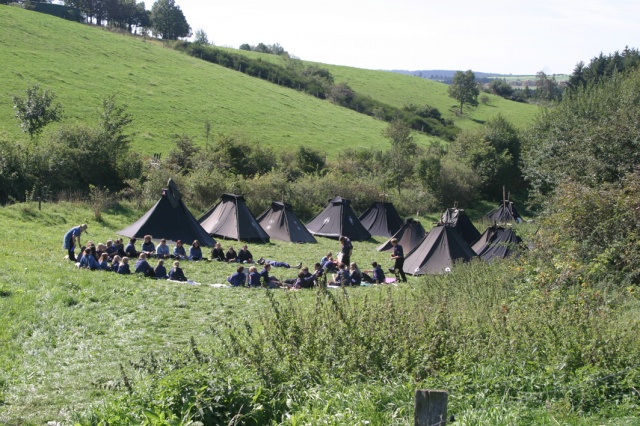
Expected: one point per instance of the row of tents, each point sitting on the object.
(453, 239)
(231, 219)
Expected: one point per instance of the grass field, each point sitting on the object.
(399, 90)
(167, 92)
(80, 346)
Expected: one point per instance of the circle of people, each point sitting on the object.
(114, 256)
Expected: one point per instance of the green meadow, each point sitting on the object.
(527, 340)
(399, 90)
(82, 347)
(166, 92)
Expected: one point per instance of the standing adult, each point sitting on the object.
(398, 256)
(345, 250)
(71, 238)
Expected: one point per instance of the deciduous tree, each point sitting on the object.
(168, 21)
(36, 110)
(464, 88)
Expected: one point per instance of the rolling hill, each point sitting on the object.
(399, 90)
(170, 93)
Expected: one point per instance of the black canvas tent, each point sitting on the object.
(458, 220)
(338, 218)
(497, 243)
(437, 251)
(381, 219)
(281, 223)
(409, 236)
(231, 219)
(169, 218)
(506, 212)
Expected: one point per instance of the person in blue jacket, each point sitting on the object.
(162, 250)
(71, 238)
(342, 278)
(130, 249)
(104, 262)
(378, 274)
(176, 274)
(195, 252)
(355, 273)
(398, 256)
(123, 268)
(269, 281)
(254, 277)
(276, 264)
(148, 247)
(143, 267)
(160, 271)
(88, 261)
(115, 263)
(179, 251)
(238, 278)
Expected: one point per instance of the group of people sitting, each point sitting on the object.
(114, 256)
(96, 258)
(339, 273)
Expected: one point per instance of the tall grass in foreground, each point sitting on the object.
(507, 351)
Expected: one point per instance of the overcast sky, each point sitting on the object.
(493, 36)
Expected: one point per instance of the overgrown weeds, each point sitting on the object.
(502, 347)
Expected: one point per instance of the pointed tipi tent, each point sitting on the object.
(338, 218)
(409, 236)
(169, 218)
(505, 213)
(381, 219)
(458, 220)
(499, 243)
(281, 223)
(438, 250)
(231, 219)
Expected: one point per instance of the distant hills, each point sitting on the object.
(447, 75)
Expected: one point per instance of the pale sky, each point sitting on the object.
(498, 36)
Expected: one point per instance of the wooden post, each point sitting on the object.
(430, 408)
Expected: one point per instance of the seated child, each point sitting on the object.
(87, 261)
(238, 278)
(160, 271)
(195, 252)
(356, 274)
(130, 250)
(269, 281)
(112, 250)
(217, 253)
(303, 282)
(378, 275)
(231, 255)
(143, 267)
(162, 251)
(244, 255)
(148, 247)
(342, 277)
(104, 262)
(115, 263)
(176, 273)
(123, 268)
(179, 252)
(254, 277)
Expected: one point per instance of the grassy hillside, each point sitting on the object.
(167, 92)
(509, 347)
(398, 90)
